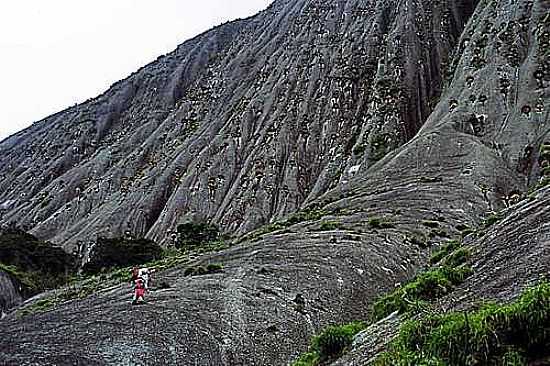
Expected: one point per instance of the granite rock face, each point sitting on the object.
(239, 126)
(379, 116)
(10, 293)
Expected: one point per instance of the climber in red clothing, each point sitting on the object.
(139, 291)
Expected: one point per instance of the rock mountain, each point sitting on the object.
(405, 111)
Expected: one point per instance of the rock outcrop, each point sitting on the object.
(10, 294)
(239, 126)
(391, 125)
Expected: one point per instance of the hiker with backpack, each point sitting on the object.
(139, 291)
(140, 279)
(145, 273)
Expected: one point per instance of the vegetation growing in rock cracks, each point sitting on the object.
(330, 344)
(307, 214)
(509, 334)
(430, 285)
(380, 223)
(415, 295)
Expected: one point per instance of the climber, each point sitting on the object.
(139, 291)
(145, 273)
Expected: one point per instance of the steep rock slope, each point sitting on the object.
(239, 126)
(477, 149)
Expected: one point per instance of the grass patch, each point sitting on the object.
(330, 344)
(415, 295)
(510, 334)
(444, 251)
(308, 214)
(429, 285)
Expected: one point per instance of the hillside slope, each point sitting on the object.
(239, 126)
(408, 153)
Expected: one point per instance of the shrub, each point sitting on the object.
(193, 234)
(494, 334)
(335, 339)
(37, 265)
(379, 147)
(458, 257)
(444, 251)
(307, 359)
(119, 252)
(330, 343)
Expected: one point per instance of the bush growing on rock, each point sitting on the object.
(511, 334)
(119, 252)
(330, 344)
(35, 264)
(193, 234)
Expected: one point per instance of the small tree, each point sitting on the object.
(119, 252)
(193, 234)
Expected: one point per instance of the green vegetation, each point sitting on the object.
(35, 264)
(380, 223)
(379, 147)
(308, 214)
(458, 257)
(444, 251)
(415, 295)
(330, 344)
(493, 335)
(192, 234)
(83, 286)
(118, 252)
(330, 225)
(429, 285)
(203, 270)
(491, 220)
